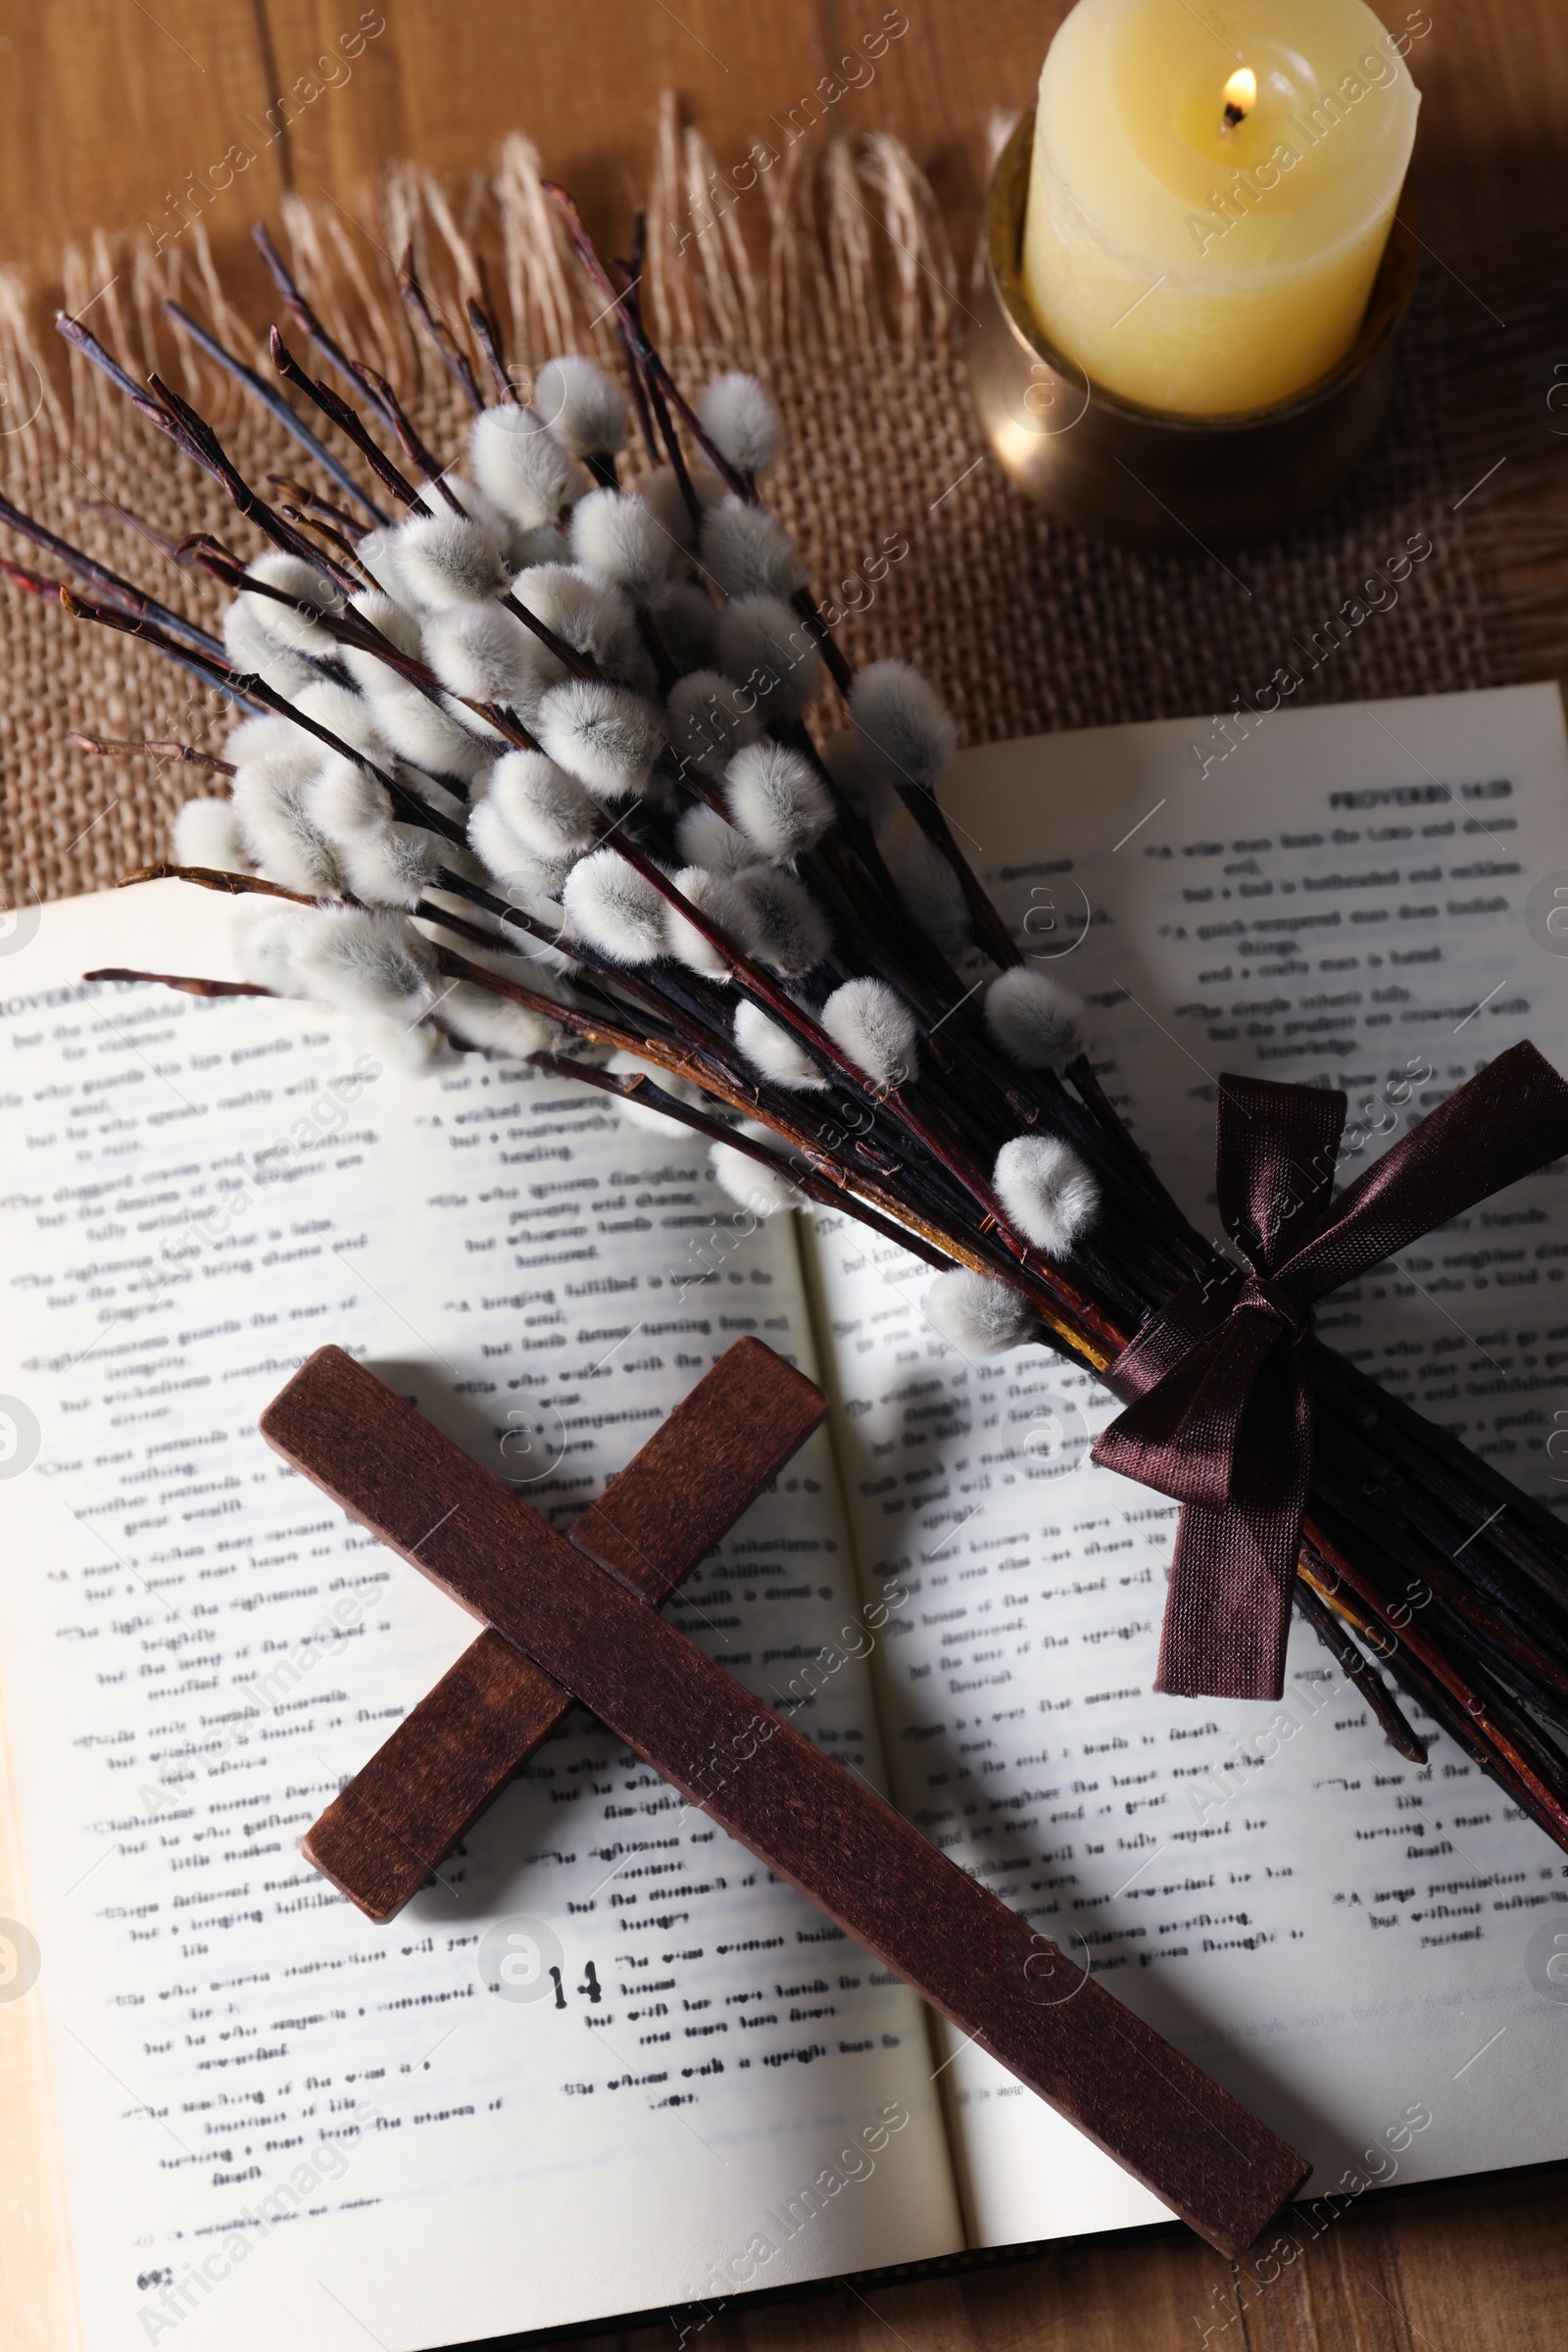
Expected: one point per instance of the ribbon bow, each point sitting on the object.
(1219, 1401)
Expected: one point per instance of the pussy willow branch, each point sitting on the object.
(245, 686)
(749, 976)
(109, 584)
(271, 399)
(348, 421)
(181, 753)
(201, 666)
(487, 334)
(455, 362)
(299, 309)
(195, 438)
(351, 628)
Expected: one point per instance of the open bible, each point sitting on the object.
(604, 2062)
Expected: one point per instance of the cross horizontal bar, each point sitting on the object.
(399, 1818)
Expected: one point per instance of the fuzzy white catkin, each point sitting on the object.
(742, 420)
(207, 833)
(976, 1314)
(519, 871)
(585, 409)
(521, 467)
(710, 720)
(788, 930)
(609, 904)
(773, 1049)
(255, 653)
(766, 1191)
(776, 800)
(295, 631)
(343, 714)
(383, 612)
(903, 719)
(485, 653)
(748, 551)
(1033, 1018)
(392, 867)
(494, 1023)
(268, 737)
(377, 554)
(547, 810)
(544, 543)
(593, 616)
(638, 1114)
(417, 728)
(472, 501)
(1047, 1190)
(606, 736)
(714, 896)
(931, 893)
(284, 841)
(365, 960)
(616, 533)
(770, 650)
(263, 948)
(704, 839)
(346, 802)
(870, 1022)
(446, 559)
(399, 1044)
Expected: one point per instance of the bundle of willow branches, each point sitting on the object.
(524, 768)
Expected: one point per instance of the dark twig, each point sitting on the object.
(382, 396)
(245, 687)
(1337, 1642)
(299, 309)
(272, 401)
(195, 437)
(487, 334)
(107, 583)
(82, 339)
(634, 374)
(655, 369)
(181, 753)
(455, 360)
(346, 418)
(304, 496)
(185, 982)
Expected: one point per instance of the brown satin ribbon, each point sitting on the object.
(1219, 1412)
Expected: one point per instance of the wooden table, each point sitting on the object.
(106, 106)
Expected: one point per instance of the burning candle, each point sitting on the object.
(1212, 185)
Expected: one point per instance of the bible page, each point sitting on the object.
(604, 2062)
(1367, 1952)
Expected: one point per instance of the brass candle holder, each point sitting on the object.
(1140, 475)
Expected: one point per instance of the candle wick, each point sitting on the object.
(1240, 95)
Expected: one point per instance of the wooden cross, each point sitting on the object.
(578, 1616)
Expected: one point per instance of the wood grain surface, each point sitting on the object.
(109, 108)
(1003, 1984)
(105, 106)
(400, 1816)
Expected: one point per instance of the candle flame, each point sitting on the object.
(1240, 94)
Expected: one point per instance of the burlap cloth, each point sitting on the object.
(835, 279)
